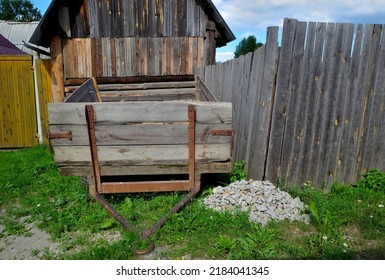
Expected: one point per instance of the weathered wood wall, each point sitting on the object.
(311, 110)
(137, 18)
(123, 57)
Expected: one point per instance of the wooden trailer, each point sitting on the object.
(104, 140)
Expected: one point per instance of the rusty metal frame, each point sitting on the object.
(64, 135)
(192, 185)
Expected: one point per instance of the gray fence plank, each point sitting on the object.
(293, 99)
(369, 116)
(281, 101)
(264, 72)
(303, 116)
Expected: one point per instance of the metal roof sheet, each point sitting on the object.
(18, 32)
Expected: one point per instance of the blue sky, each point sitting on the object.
(252, 17)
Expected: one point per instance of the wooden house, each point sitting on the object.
(129, 41)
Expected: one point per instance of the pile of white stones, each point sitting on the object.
(262, 200)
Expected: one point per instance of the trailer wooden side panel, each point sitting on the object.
(142, 137)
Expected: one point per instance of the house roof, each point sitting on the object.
(41, 36)
(7, 48)
(18, 33)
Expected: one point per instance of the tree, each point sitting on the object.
(18, 10)
(247, 45)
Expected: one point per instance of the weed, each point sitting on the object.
(372, 180)
(281, 183)
(239, 172)
(259, 244)
(225, 245)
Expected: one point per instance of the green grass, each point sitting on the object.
(347, 223)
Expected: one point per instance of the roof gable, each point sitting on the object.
(84, 14)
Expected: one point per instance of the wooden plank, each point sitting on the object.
(141, 155)
(149, 95)
(245, 108)
(329, 120)
(369, 84)
(141, 112)
(140, 187)
(236, 100)
(293, 100)
(300, 117)
(86, 170)
(148, 85)
(264, 68)
(177, 56)
(335, 162)
(140, 134)
(378, 131)
(322, 81)
(45, 92)
(347, 149)
(360, 104)
(131, 79)
(205, 93)
(88, 92)
(281, 99)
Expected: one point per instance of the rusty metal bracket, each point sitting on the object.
(222, 132)
(97, 188)
(64, 135)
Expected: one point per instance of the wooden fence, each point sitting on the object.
(18, 116)
(312, 109)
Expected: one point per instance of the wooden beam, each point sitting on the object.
(132, 79)
(57, 69)
(210, 44)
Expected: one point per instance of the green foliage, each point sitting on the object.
(372, 180)
(19, 10)
(239, 172)
(247, 45)
(258, 243)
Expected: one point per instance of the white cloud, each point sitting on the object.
(254, 16)
(223, 56)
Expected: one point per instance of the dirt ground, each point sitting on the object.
(31, 245)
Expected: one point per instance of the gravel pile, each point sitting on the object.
(262, 200)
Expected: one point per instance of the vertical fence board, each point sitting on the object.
(273, 164)
(244, 107)
(293, 99)
(335, 163)
(369, 86)
(347, 148)
(378, 148)
(265, 68)
(304, 110)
